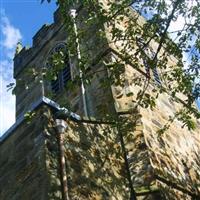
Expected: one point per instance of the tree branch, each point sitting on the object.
(163, 35)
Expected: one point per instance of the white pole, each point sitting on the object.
(73, 15)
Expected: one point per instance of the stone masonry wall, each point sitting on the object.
(173, 154)
(22, 166)
(95, 162)
(30, 168)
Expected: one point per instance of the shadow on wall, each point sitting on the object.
(95, 162)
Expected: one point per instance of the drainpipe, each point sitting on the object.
(60, 128)
(83, 91)
(126, 162)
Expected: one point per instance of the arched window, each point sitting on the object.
(149, 55)
(58, 62)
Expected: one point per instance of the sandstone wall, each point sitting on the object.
(30, 168)
(22, 163)
(174, 153)
(95, 161)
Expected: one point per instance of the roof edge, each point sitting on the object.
(36, 104)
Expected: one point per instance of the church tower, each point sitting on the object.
(64, 144)
(30, 65)
(35, 77)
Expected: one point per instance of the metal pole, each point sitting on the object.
(60, 127)
(73, 15)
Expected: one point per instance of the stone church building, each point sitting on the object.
(64, 146)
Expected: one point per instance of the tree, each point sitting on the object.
(177, 80)
(182, 78)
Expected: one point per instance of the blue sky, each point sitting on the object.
(19, 21)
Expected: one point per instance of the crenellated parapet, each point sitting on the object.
(40, 39)
(30, 61)
(20, 60)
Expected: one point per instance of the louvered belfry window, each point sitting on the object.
(149, 54)
(63, 75)
(154, 72)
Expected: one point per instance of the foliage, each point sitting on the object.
(175, 79)
(178, 80)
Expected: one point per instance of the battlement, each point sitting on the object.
(40, 34)
(40, 39)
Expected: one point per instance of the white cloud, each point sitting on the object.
(6, 69)
(10, 35)
(7, 105)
